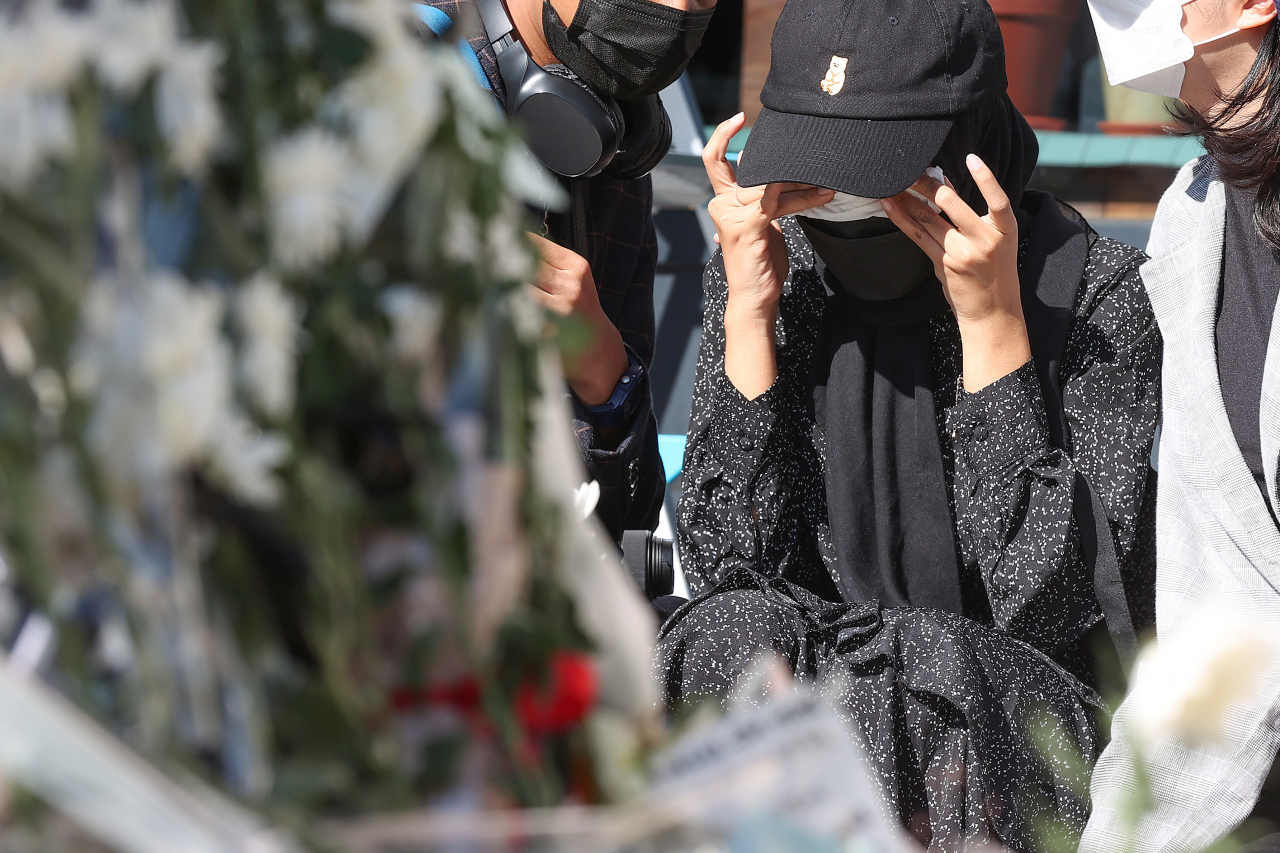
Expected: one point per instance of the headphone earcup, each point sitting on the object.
(611, 108)
(571, 129)
(646, 141)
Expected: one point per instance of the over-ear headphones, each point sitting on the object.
(572, 129)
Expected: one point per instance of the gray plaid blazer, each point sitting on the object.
(1215, 539)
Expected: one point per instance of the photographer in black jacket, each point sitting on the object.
(582, 76)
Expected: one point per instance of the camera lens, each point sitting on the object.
(650, 560)
(660, 570)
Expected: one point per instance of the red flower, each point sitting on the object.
(566, 698)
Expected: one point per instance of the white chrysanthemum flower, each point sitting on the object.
(34, 127)
(188, 363)
(415, 322)
(163, 396)
(245, 458)
(43, 50)
(393, 105)
(163, 376)
(187, 105)
(1186, 686)
(268, 318)
(305, 174)
(132, 38)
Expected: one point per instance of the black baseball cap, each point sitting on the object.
(861, 94)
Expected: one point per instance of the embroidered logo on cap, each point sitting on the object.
(834, 80)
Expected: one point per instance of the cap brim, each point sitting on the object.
(864, 157)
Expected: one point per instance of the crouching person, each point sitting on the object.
(918, 458)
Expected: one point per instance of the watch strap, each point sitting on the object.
(625, 399)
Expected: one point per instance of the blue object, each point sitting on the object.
(671, 449)
(613, 412)
(439, 23)
(169, 222)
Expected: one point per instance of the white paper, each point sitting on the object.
(792, 757)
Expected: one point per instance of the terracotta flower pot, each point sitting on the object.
(1035, 38)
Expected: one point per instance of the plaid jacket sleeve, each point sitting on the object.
(615, 234)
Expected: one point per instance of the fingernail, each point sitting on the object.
(825, 191)
(886, 204)
(974, 162)
(739, 115)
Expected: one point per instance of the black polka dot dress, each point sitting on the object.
(979, 725)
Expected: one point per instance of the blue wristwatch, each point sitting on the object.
(618, 410)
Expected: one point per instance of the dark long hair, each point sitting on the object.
(1246, 147)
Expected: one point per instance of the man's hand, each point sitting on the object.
(563, 284)
(976, 259)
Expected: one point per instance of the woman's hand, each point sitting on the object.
(755, 259)
(976, 259)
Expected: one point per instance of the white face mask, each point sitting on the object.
(847, 208)
(1143, 45)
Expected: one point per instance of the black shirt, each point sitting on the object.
(611, 225)
(1247, 302)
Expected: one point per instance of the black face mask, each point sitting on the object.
(872, 258)
(627, 49)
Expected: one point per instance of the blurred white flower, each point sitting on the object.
(122, 432)
(245, 458)
(415, 322)
(162, 391)
(393, 105)
(1185, 686)
(187, 362)
(42, 50)
(510, 258)
(16, 353)
(187, 105)
(162, 381)
(527, 316)
(304, 178)
(268, 318)
(461, 240)
(132, 38)
(34, 127)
